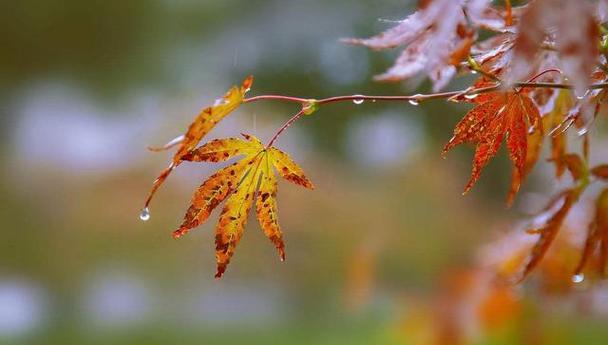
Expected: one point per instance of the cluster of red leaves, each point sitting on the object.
(542, 41)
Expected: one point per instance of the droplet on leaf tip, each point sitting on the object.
(578, 278)
(145, 214)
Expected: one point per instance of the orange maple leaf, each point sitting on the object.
(240, 183)
(510, 114)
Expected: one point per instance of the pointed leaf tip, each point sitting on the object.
(247, 84)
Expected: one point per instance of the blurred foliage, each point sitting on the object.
(68, 227)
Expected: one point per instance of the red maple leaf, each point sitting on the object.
(499, 116)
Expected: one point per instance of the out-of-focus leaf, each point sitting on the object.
(549, 230)
(555, 120)
(570, 27)
(600, 171)
(575, 165)
(597, 237)
(437, 38)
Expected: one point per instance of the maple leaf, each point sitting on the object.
(498, 115)
(555, 120)
(569, 27)
(202, 124)
(597, 237)
(436, 39)
(548, 231)
(250, 178)
(554, 214)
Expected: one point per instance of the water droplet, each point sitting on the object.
(583, 131)
(414, 102)
(145, 214)
(473, 72)
(578, 278)
(358, 101)
(579, 96)
(220, 101)
(471, 96)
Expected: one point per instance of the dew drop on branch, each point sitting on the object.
(414, 102)
(358, 101)
(145, 214)
(471, 96)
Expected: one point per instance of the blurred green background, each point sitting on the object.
(85, 86)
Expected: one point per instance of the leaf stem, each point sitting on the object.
(275, 97)
(285, 126)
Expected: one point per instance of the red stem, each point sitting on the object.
(277, 97)
(544, 72)
(284, 127)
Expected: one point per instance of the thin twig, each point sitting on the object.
(414, 99)
(417, 97)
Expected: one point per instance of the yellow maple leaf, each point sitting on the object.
(239, 184)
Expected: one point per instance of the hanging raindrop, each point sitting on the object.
(414, 102)
(578, 278)
(145, 214)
